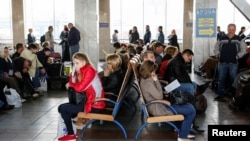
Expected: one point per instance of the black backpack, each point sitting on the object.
(42, 39)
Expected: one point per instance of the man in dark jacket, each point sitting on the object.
(73, 39)
(176, 70)
(228, 50)
(147, 36)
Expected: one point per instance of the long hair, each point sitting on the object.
(83, 57)
(146, 68)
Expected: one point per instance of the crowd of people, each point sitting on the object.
(23, 69)
(160, 61)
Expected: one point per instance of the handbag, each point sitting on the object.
(76, 97)
(177, 97)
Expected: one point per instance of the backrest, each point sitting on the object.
(126, 84)
(135, 63)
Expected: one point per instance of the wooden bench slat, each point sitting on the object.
(165, 118)
(95, 116)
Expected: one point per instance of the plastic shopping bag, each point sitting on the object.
(12, 97)
(44, 86)
(61, 128)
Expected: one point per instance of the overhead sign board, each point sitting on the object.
(206, 23)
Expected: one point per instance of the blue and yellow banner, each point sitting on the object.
(206, 23)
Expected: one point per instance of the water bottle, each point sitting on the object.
(65, 132)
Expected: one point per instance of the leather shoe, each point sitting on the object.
(196, 128)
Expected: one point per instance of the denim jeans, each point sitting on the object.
(36, 80)
(188, 88)
(188, 111)
(223, 70)
(73, 49)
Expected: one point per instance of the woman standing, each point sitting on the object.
(64, 43)
(173, 40)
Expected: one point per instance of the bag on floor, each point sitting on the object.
(200, 103)
(61, 128)
(44, 86)
(12, 97)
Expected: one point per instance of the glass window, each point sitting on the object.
(226, 7)
(39, 15)
(124, 14)
(6, 35)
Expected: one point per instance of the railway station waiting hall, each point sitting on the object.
(113, 36)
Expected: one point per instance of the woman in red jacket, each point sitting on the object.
(83, 78)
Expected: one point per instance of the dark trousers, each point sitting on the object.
(69, 111)
(2, 95)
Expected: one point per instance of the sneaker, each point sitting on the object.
(23, 100)
(190, 136)
(180, 139)
(80, 126)
(35, 95)
(67, 138)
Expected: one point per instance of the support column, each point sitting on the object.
(86, 20)
(203, 47)
(104, 28)
(187, 24)
(17, 22)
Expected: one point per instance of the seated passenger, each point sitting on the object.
(19, 48)
(6, 71)
(112, 76)
(152, 90)
(43, 57)
(21, 68)
(170, 52)
(176, 70)
(36, 68)
(83, 78)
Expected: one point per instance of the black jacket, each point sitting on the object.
(74, 37)
(113, 82)
(176, 70)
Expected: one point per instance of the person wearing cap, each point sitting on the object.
(115, 36)
(158, 49)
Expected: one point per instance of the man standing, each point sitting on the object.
(147, 36)
(228, 50)
(49, 37)
(31, 37)
(73, 39)
(220, 33)
(115, 36)
(160, 36)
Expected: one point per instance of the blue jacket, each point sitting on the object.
(147, 37)
(161, 37)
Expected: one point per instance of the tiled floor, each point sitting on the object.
(37, 120)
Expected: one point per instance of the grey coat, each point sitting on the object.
(152, 90)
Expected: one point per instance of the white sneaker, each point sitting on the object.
(74, 119)
(180, 139)
(81, 126)
(190, 136)
(35, 95)
(23, 100)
